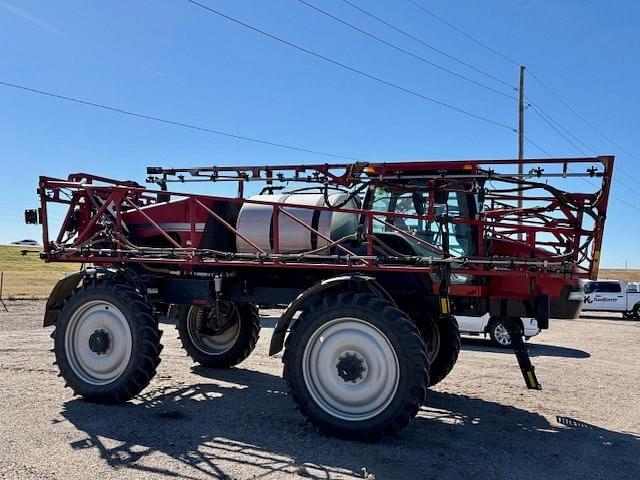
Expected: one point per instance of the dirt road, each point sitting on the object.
(190, 423)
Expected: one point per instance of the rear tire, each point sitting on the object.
(107, 342)
(636, 312)
(445, 357)
(356, 366)
(225, 349)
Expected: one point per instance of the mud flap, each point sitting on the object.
(522, 354)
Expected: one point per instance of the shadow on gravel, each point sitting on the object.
(535, 349)
(242, 421)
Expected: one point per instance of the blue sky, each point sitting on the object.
(172, 59)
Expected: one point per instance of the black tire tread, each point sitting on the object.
(249, 334)
(448, 352)
(145, 354)
(414, 350)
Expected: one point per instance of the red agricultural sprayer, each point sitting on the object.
(376, 259)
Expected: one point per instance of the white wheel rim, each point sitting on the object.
(92, 320)
(361, 398)
(212, 344)
(501, 334)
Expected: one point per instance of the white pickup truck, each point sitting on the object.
(612, 296)
(497, 332)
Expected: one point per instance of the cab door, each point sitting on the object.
(606, 296)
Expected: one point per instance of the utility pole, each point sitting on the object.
(520, 138)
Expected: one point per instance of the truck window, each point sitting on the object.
(605, 287)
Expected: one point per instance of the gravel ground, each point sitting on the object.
(190, 423)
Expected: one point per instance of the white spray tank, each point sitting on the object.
(255, 222)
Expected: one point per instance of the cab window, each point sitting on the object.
(459, 236)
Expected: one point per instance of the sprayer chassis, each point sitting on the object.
(383, 294)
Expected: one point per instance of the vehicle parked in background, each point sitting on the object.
(495, 328)
(25, 242)
(612, 296)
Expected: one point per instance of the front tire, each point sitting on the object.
(107, 342)
(356, 366)
(223, 347)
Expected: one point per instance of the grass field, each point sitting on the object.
(620, 274)
(28, 277)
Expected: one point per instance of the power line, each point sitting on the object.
(175, 122)
(542, 114)
(615, 197)
(543, 84)
(406, 52)
(552, 123)
(353, 69)
(528, 140)
(428, 45)
(540, 111)
(621, 200)
(594, 128)
(560, 129)
(587, 122)
(450, 25)
(251, 139)
(611, 194)
(546, 118)
(207, 130)
(462, 32)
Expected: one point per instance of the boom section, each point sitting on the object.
(557, 232)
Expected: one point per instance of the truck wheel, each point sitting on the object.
(219, 341)
(499, 334)
(445, 356)
(107, 342)
(636, 312)
(356, 366)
